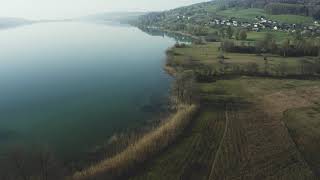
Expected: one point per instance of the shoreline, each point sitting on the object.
(165, 132)
(146, 147)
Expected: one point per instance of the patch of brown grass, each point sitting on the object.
(143, 149)
(281, 101)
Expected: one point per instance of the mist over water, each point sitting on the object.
(71, 85)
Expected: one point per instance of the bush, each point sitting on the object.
(229, 46)
(180, 45)
(243, 35)
(213, 37)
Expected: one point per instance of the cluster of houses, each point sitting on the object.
(262, 23)
(184, 17)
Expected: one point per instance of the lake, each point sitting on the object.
(71, 85)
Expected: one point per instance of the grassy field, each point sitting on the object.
(257, 147)
(235, 140)
(304, 126)
(251, 13)
(279, 36)
(292, 19)
(257, 143)
(208, 55)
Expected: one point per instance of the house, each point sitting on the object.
(275, 28)
(256, 29)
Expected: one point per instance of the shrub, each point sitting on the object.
(180, 45)
(243, 35)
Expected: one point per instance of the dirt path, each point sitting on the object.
(220, 145)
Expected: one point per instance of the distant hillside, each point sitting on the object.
(114, 16)
(197, 19)
(296, 7)
(12, 22)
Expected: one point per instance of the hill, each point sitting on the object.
(284, 11)
(298, 7)
(12, 22)
(208, 18)
(113, 16)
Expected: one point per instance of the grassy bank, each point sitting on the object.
(145, 148)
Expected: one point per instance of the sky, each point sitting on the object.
(57, 9)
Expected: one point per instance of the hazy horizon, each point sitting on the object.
(59, 9)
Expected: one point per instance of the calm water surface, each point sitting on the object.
(71, 85)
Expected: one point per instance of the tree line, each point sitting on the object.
(296, 47)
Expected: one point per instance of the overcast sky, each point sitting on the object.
(54, 9)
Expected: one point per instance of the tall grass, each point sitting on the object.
(146, 147)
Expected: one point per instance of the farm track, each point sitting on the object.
(221, 142)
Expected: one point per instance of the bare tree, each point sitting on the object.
(183, 90)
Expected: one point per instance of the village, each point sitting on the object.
(261, 23)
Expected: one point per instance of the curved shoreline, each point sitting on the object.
(148, 145)
(143, 149)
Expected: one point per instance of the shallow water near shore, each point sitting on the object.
(71, 85)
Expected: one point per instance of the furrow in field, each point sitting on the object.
(258, 147)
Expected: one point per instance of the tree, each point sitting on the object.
(243, 35)
(266, 65)
(222, 33)
(267, 44)
(229, 32)
(227, 45)
(285, 47)
(183, 90)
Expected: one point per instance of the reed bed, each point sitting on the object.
(142, 150)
